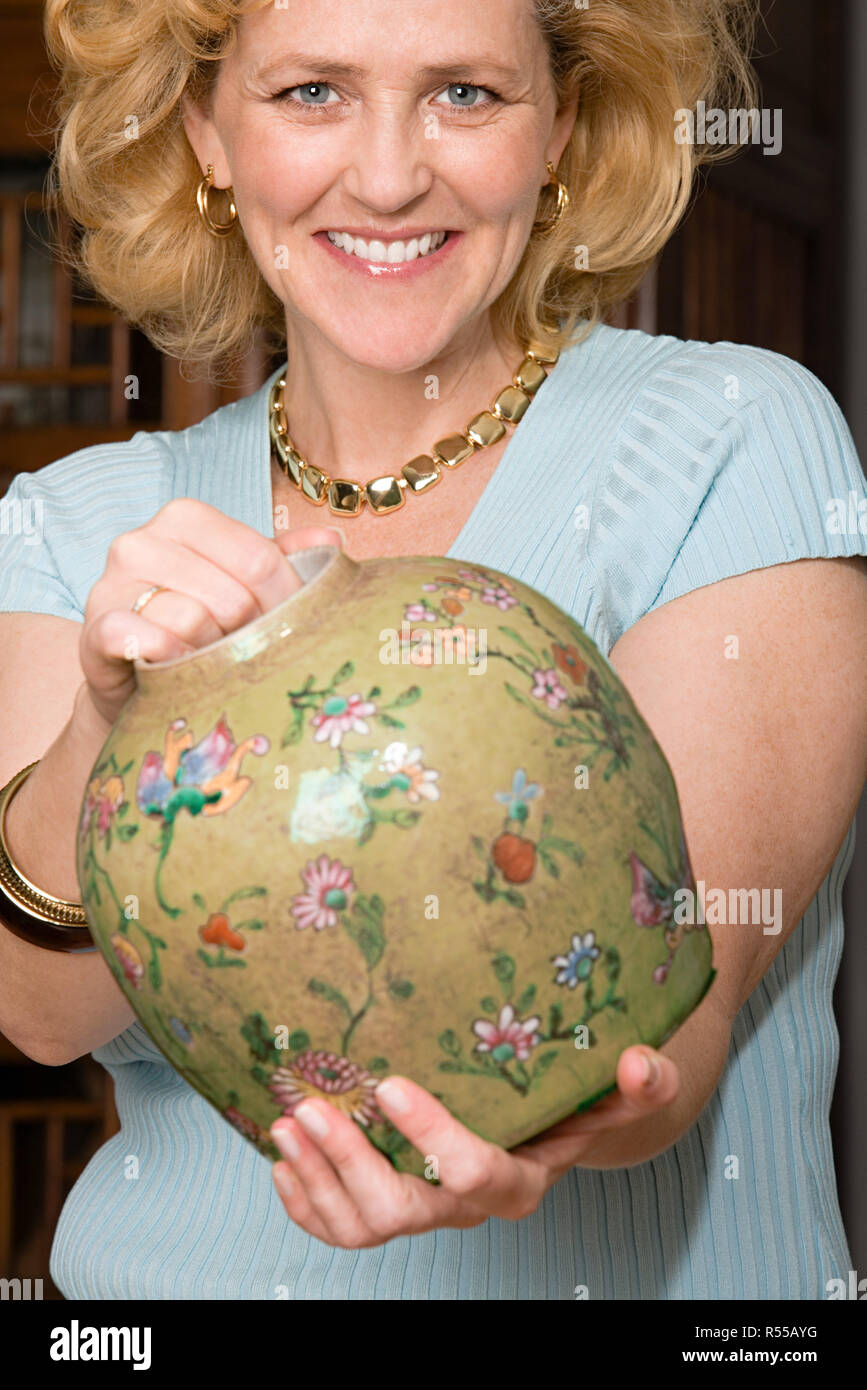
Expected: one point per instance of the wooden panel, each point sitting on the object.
(26, 79)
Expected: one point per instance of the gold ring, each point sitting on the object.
(147, 596)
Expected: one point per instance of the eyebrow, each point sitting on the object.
(317, 63)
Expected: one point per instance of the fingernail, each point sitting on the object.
(312, 1119)
(651, 1071)
(286, 1143)
(393, 1096)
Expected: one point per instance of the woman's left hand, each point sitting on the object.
(341, 1190)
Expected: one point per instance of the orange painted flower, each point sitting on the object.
(514, 856)
(568, 660)
(220, 932)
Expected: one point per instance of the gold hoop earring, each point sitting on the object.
(546, 224)
(202, 193)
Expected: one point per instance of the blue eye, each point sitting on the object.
(318, 90)
(467, 93)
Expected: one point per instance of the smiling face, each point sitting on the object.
(381, 124)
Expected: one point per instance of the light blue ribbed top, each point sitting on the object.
(695, 462)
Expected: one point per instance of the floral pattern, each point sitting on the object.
(329, 1077)
(203, 778)
(510, 1037)
(376, 774)
(577, 964)
(329, 892)
(102, 800)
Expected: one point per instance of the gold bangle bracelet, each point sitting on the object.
(30, 913)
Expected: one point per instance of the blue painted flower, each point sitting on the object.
(578, 964)
(180, 1030)
(522, 792)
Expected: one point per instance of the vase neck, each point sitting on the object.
(327, 573)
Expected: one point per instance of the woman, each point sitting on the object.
(672, 496)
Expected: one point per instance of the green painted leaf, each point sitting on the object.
(389, 721)
(199, 901)
(299, 1041)
(453, 1067)
(405, 819)
(479, 846)
(448, 1041)
(366, 931)
(203, 955)
(122, 809)
(401, 989)
(504, 968)
(251, 924)
(377, 1064)
(516, 637)
(407, 697)
(108, 837)
(490, 1005)
(513, 897)
(295, 730)
(526, 1000)
(330, 993)
(567, 847)
(346, 670)
(259, 1074)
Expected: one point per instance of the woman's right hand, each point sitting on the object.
(217, 574)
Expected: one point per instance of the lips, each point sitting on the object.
(387, 269)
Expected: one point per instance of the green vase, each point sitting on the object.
(409, 821)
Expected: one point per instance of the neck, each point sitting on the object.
(359, 422)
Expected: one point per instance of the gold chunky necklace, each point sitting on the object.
(386, 494)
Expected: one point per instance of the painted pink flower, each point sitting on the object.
(508, 1039)
(128, 959)
(499, 596)
(339, 716)
(651, 902)
(104, 800)
(418, 613)
(408, 773)
(329, 891)
(329, 1077)
(204, 777)
(548, 688)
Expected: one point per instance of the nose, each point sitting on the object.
(390, 162)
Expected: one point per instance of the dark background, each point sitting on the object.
(771, 253)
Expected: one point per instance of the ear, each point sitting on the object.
(564, 124)
(203, 137)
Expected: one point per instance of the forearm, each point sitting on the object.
(42, 817)
(699, 1050)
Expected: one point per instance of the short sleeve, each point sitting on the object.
(30, 581)
(787, 483)
(729, 458)
(56, 524)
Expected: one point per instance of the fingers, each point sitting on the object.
(479, 1173)
(344, 1191)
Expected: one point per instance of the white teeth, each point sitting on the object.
(393, 253)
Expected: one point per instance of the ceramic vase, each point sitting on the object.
(410, 821)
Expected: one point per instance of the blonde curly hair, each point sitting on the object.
(142, 247)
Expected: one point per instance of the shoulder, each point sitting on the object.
(705, 460)
(687, 379)
(57, 523)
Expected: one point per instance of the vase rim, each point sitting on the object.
(247, 641)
